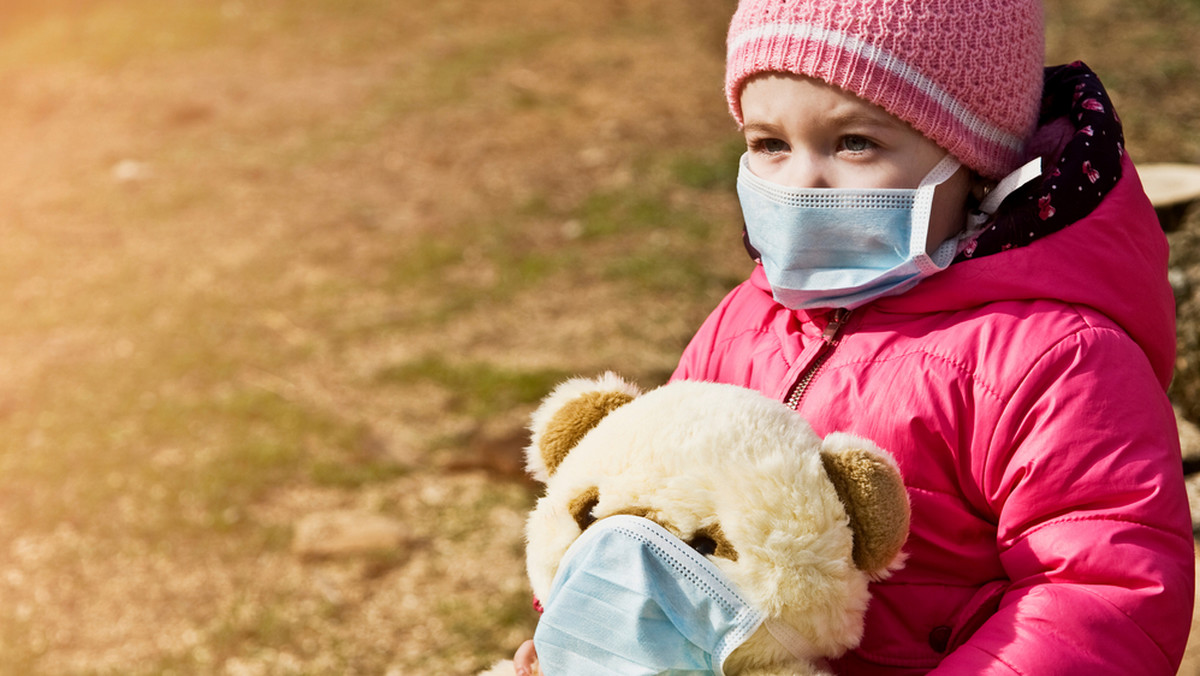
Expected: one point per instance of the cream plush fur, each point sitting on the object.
(802, 524)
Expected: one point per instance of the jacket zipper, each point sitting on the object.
(831, 336)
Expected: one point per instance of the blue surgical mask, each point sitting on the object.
(630, 598)
(830, 247)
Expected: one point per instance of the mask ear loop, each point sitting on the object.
(799, 647)
(923, 212)
(992, 201)
(941, 172)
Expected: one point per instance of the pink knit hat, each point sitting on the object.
(965, 73)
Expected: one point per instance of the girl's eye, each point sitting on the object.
(770, 146)
(856, 144)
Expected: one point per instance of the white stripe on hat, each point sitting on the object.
(886, 61)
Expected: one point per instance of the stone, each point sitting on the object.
(1189, 441)
(1172, 189)
(340, 533)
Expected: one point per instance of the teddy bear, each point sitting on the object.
(797, 524)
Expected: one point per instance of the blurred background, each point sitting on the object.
(282, 280)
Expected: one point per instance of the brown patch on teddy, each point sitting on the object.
(875, 500)
(644, 512)
(575, 419)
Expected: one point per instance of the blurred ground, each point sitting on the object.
(276, 259)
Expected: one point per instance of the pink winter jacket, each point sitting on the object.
(1023, 395)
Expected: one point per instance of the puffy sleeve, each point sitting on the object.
(1084, 480)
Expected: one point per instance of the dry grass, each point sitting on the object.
(276, 257)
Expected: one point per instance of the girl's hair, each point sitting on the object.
(965, 73)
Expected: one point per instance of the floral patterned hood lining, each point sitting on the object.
(1081, 142)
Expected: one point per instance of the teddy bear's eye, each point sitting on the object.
(703, 545)
(582, 506)
(711, 541)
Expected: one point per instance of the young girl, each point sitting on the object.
(957, 261)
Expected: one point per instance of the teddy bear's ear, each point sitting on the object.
(567, 414)
(869, 484)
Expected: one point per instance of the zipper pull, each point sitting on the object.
(831, 330)
(830, 337)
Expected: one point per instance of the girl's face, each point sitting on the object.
(804, 133)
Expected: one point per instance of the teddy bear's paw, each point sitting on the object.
(504, 668)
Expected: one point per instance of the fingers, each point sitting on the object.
(525, 661)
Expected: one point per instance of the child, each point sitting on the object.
(1004, 328)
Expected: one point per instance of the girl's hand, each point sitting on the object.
(525, 661)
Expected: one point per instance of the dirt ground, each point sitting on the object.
(280, 259)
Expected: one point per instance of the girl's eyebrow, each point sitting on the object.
(837, 119)
(760, 127)
(859, 116)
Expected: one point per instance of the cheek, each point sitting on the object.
(764, 168)
(949, 210)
